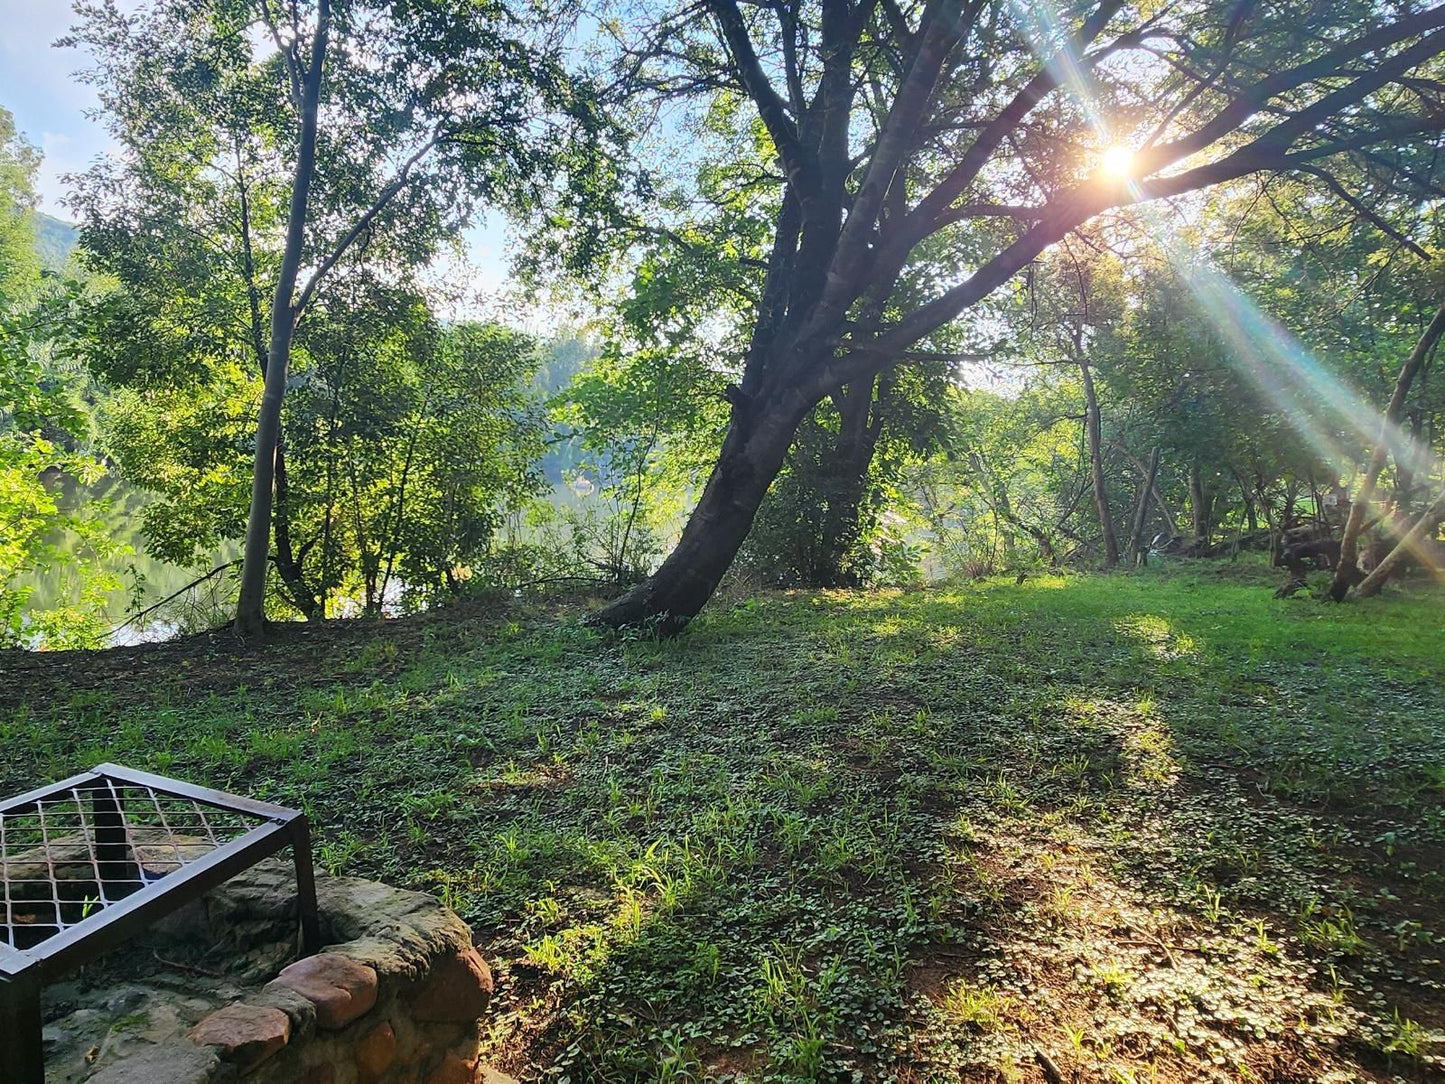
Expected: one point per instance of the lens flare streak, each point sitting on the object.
(1256, 346)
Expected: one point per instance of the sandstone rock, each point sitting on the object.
(459, 990)
(173, 1063)
(339, 987)
(125, 999)
(375, 1051)
(395, 931)
(443, 1036)
(300, 1009)
(245, 1034)
(252, 917)
(453, 1070)
(154, 1017)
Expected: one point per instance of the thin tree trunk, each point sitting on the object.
(251, 608)
(1251, 517)
(1405, 471)
(1159, 503)
(395, 540)
(328, 554)
(1266, 509)
(1141, 512)
(1096, 466)
(1424, 527)
(288, 560)
(370, 564)
(1198, 507)
(1347, 572)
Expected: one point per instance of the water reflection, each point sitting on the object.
(144, 578)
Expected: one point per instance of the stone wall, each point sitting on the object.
(396, 996)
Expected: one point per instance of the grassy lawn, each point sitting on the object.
(1151, 827)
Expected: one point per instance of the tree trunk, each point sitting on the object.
(1347, 572)
(1251, 517)
(288, 560)
(1199, 507)
(751, 456)
(1405, 471)
(844, 481)
(1096, 467)
(251, 608)
(1423, 529)
(1159, 503)
(1141, 512)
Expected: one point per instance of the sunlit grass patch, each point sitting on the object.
(976, 1005)
(1158, 636)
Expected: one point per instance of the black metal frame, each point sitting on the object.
(24, 971)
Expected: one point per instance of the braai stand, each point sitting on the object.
(115, 821)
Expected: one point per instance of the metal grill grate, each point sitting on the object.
(72, 855)
(87, 862)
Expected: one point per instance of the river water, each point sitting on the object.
(145, 579)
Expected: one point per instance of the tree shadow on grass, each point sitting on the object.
(937, 850)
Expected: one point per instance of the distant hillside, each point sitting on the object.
(54, 240)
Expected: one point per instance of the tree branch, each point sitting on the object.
(1333, 184)
(402, 179)
(797, 161)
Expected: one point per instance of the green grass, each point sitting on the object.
(1159, 826)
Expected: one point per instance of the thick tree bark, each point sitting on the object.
(843, 482)
(1347, 572)
(1423, 530)
(1141, 512)
(1096, 466)
(251, 608)
(751, 456)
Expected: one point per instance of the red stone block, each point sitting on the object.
(375, 1051)
(458, 991)
(245, 1034)
(453, 1070)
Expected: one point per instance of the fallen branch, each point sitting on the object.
(133, 618)
(1051, 1069)
(1425, 525)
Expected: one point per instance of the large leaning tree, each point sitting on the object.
(271, 149)
(984, 128)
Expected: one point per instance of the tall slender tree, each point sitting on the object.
(285, 141)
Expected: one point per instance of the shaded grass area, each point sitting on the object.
(1127, 828)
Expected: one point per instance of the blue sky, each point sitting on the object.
(37, 84)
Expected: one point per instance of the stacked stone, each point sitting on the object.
(396, 997)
